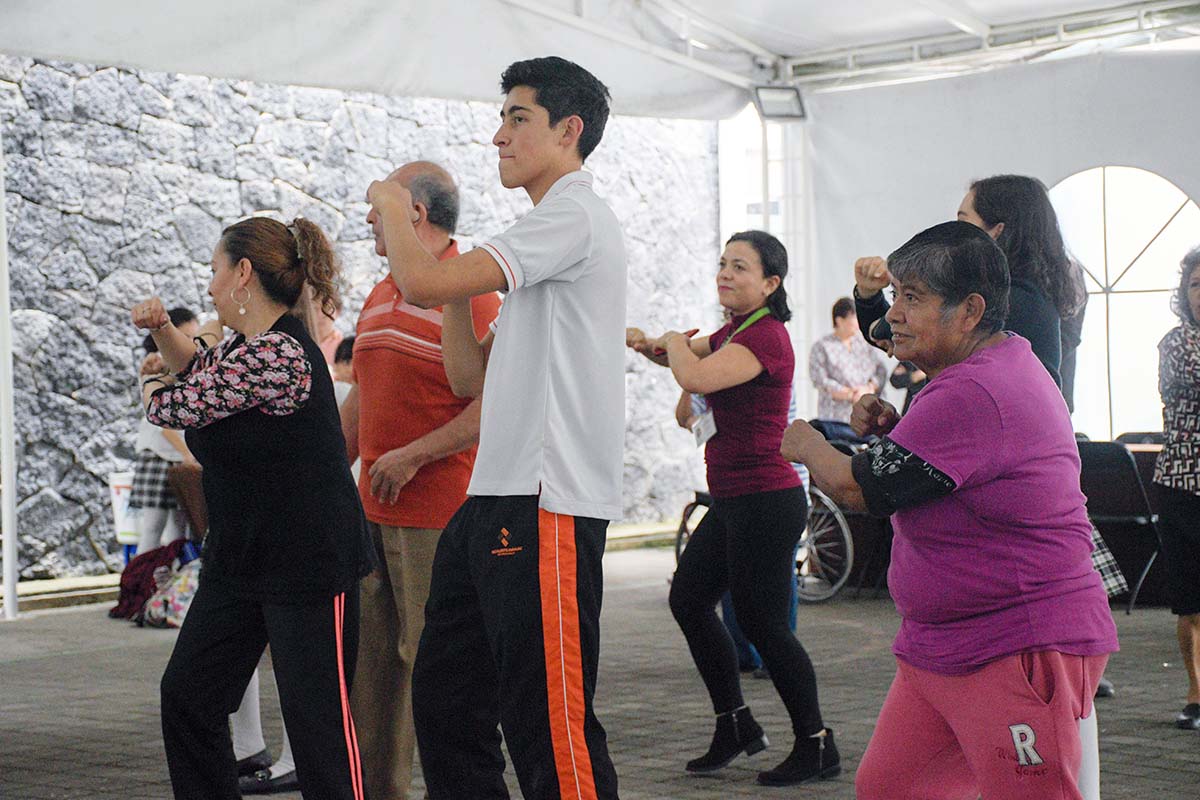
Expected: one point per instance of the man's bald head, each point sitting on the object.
(432, 187)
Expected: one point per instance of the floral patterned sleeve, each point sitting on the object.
(205, 356)
(269, 372)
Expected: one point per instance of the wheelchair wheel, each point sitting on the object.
(826, 552)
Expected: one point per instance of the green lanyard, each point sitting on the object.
(750, 320)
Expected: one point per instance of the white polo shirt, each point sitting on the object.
(554, 396)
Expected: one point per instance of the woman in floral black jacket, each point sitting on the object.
(287, 543)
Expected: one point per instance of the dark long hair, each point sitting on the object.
(774, 258)
(285, 257)
(1031, 239)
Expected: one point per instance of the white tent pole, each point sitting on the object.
(766, 174)
(8, 450)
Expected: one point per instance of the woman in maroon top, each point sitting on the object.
(747, 541)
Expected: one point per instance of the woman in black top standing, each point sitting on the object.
(287, 544)
(1015, 211)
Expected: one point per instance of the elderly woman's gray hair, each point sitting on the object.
(1179, 302)
(954, 260)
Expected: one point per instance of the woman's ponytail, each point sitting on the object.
(321, 269)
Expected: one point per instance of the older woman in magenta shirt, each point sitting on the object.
(746, 543)
(1005, 623)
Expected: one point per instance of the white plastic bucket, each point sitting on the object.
(120, 488)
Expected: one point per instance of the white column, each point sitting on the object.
(808, 320)
(8, 450)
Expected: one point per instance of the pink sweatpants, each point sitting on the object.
(1007, 731)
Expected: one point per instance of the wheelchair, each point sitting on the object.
(825, 554)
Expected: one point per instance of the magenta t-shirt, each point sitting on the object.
(743, 457)
(1002, 565)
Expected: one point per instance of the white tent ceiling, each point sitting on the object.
(798, 28)
(660, 57)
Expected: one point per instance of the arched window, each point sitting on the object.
(1129, 228)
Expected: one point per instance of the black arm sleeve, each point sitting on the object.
(868, 311)
(902, 375)
(892, 477)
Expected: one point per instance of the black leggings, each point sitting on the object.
(747, 545)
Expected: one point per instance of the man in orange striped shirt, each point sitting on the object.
(417, 443)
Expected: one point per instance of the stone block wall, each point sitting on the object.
(118, 183)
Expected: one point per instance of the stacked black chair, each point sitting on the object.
(1142, 437)
(1117, 500)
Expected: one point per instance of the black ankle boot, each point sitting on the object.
(812, 758)
(736, 732)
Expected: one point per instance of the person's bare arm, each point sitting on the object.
(175, 439)
(397, 467)
(683, 410)
(421, 278)
(732, 365)
(654, 349)
(175, 347)
(464, 356)
(348, 411)
(872, 416)
(829, 468)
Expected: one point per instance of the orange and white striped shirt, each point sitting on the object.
(403, 395)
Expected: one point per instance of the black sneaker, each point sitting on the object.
(1189, 717)
(261, 782)
(252, 764)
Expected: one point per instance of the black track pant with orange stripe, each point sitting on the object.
(313, 648)
(512, 638)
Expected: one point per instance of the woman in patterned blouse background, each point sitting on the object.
(286, 544)
(1177, 475)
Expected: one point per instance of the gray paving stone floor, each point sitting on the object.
(79, 705)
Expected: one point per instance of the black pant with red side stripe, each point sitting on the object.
(313, 648)
(512, 638)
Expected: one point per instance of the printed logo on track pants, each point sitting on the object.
(504, 549)
(1023, 740)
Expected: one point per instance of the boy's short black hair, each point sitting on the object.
(564, 89)
(345, 351)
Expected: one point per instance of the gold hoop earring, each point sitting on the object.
(241, 303)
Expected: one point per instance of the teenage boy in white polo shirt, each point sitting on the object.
(512, 623)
